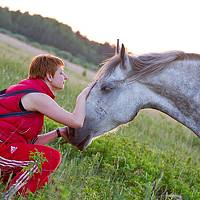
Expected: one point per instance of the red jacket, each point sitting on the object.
(18, 125)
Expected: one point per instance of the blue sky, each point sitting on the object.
(142, 25)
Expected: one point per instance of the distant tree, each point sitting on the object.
(5, 18)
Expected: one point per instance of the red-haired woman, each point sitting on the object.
(22, 110)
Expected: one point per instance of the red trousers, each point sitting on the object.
(14, 157)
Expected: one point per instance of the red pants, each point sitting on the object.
(13, 157)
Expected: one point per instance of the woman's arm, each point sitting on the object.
(44, 104)
(51, 136)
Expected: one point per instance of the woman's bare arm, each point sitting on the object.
(51, 136)
(44, 104)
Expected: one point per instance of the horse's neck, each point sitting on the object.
(176, 92)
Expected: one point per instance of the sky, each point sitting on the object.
(142, 25)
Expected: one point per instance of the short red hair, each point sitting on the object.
(43, 64)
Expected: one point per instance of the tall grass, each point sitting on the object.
(150, 158)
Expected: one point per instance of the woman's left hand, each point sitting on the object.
(66, 132)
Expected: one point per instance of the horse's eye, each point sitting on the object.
(106, 87)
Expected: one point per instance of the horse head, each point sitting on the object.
(127, 83)
(108, 104)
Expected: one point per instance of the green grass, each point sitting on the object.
(150, 158)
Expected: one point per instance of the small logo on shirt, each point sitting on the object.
(13, 149)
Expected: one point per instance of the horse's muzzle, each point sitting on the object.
(80, 143)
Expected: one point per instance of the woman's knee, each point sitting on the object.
(52, 157)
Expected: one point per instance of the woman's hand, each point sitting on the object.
(66, 132)
(85, 92)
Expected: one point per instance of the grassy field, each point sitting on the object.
(150, 158)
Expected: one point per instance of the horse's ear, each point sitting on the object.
(117, 47)
(122, 53)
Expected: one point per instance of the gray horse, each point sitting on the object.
(168, 82)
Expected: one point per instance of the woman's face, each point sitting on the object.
(59, 78)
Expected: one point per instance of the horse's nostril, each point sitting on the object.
(81, 145)
(71, 132)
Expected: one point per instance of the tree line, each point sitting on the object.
(50, 32)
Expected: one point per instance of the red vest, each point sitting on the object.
(17, 125)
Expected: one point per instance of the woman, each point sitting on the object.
(22, 110)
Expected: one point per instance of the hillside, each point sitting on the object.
(48, 31)
(33, 51)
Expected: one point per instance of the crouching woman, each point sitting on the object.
(22, 110)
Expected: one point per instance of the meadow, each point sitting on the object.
(150, 158)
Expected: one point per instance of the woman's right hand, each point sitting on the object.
(85, 92)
